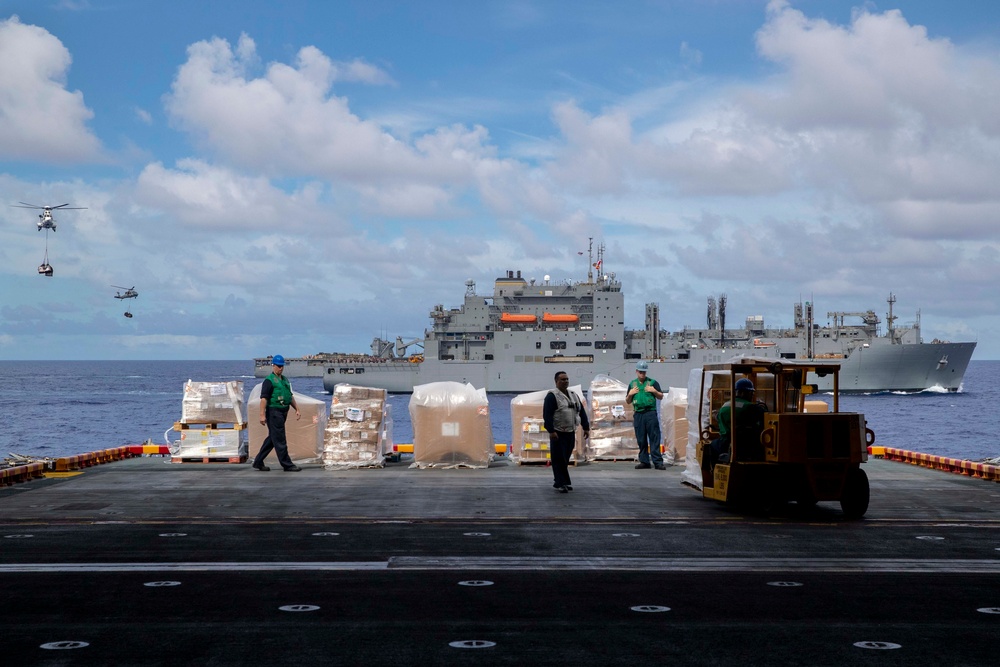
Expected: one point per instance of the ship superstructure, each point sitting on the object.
(517, 338)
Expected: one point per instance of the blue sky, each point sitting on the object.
(295, 177)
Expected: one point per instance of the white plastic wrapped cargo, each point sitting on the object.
(530, 406)
(692, 467)
(212, 402)
(612, 434)
(451, 426)
(674, 425)
(304, 435)
(354, 434)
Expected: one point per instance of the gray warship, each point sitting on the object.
(515, 340)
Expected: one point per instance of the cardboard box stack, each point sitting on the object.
(612, 436)
(354, 431)
(451, 426)
(304, 435)
(529, 440)
(212, 403)
(674, 425)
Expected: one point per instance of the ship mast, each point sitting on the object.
(590, 259)
(890, 319)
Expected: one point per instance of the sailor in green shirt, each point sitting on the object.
(643, 392)
(745, 415)
(276, 398)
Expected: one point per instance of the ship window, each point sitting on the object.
(605, 344)
(583, 343)
(489, 357)
(557, 344)
(538, 345)
(359, 370)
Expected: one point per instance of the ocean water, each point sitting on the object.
(62, 408)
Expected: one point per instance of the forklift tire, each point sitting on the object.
(854, 500)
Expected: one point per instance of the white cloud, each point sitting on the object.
(40, 120)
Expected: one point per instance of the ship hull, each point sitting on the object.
(901, 367)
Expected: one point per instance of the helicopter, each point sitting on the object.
(45, 219)
(129, 293)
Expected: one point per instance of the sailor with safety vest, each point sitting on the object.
(276, 399)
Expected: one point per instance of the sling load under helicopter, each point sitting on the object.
(128, 293)
(45, 219)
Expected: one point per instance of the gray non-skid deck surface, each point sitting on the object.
(630, 566)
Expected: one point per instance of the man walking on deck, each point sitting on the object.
(643, 392)
(562, 412)
(275, 399)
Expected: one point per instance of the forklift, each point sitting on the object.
(788, 453)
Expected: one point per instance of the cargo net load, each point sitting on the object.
(356, 430)
(612, 435)
(529, 439)
(451, 426)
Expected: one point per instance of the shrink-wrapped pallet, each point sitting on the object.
(612, 435)
(451, 426)
(674, 425)
(212, 402)
(353, 437)
(207, 443)
(304, 435)
(530, 406)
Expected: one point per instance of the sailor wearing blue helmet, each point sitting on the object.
(643, 392)
(276, 398)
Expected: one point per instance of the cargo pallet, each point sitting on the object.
(204, 426)
(208, 459)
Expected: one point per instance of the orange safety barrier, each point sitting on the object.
(22, 473)
(958, 466)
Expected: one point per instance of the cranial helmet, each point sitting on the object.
(744, 384)
(642, 366)
(278, 360)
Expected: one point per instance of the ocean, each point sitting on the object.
(62, 408)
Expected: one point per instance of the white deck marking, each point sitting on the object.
(481, 563)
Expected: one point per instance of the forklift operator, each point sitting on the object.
(748, 420)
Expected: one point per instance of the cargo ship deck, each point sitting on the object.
(146, 562)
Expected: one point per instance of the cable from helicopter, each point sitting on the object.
(128, 293)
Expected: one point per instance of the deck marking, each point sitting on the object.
(299, 607)
(877, 645)
(64, 645)
(157, 584)
(653, 608)
(475, 582)
(560, 563)
(989, 610)
(472, 643)
(787, 584)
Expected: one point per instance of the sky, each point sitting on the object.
(302, 176)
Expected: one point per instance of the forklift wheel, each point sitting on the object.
(854, 500)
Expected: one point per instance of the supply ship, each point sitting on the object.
(517, 338)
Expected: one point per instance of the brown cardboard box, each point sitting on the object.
(304, 435)
(212, 402)
(353, 437)
(451, 426)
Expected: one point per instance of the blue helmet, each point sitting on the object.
(278, 360)
(744, 384)
(642, 365)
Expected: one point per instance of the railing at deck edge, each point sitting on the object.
(958, 466)
(36, 470)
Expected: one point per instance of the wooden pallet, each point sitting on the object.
(208, 459)
(204, 426)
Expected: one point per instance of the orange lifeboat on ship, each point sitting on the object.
(517, 318)
(554, 318)
(757, 342)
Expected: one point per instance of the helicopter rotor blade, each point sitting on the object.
(25, 205)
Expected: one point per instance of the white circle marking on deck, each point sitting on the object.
(173, 534)
(472, 643)
(326, 534)
(64, 645)
(624, 534)
(157, 584)
(989, 610)
(475, 582)
(17, 537)
(299, 607)
(882, 646)
(929, 537)
(477, 534)
(649, 608)
(790, 584)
